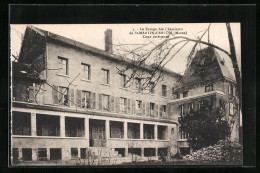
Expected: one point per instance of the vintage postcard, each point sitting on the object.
(126, 94)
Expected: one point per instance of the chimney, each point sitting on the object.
(108, 41)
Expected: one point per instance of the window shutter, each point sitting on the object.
(229, 89)
(148, 109)
(128, 106)
(161, 110)
(55, 95)
(143, 108)
(71, 97)
(31, 94)
(125, 106)
(118, 104)
(99, 101)
(156, 110)
(93, 101)
(78, 98)
(112, 105)
(133, 106)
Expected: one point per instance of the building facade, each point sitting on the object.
(207, 79)
(69, 97)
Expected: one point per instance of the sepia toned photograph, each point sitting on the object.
(125, 94)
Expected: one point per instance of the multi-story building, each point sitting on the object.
(207, 79)
(69, 97)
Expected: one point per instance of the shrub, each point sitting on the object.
(205, 126)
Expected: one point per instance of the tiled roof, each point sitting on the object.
(92, 49)
(218, 65)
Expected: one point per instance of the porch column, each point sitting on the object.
(155, 132)
(125, 129)
(33, 124)
(48, 153)
(126, 151)
(156, 151)
(34, 154)
(20, 157)
(87, 128)
(62, 126)
(141, 130)
(107, 130)
(142, 152)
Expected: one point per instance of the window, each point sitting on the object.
(105, 76)
(201, 103)
(42, 153)
(185, 94)
(133, 131)
(122, 80)
(74, 153)
(47, 125)
(106, 102)
(138, 105)
(63, 66)
(164, 108)
(178, 95)
(55, 154)
(86, 99)
(74, 127)
(152, 109)
(116, 129)
(190, 106)
(181, 111)
(164, 90)
(138, 84)
(208, 88)
(151, 87)
(231, 109)
(163, 111)
(123, 104)
(27, 154)
(148, 131)
(63, 96)
(21, 123)
(85, 71)
(230, 90)
(172, 91)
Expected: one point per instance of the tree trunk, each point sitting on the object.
(237, 73)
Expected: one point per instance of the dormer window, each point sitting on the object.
(185, 94)
(209, 88)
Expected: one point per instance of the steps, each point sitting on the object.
(103, 152)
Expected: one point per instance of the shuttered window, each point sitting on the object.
(138, 107)
(152, 106)
(86, 99)
(106, 102)
(123, 105)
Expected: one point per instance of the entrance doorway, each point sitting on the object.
(97, 133)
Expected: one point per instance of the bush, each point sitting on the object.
(205, 126)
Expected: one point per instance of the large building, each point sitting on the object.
(69, 97)
(207, 79)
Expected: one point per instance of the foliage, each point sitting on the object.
(206, 125)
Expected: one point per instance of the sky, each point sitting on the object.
(93, 35)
